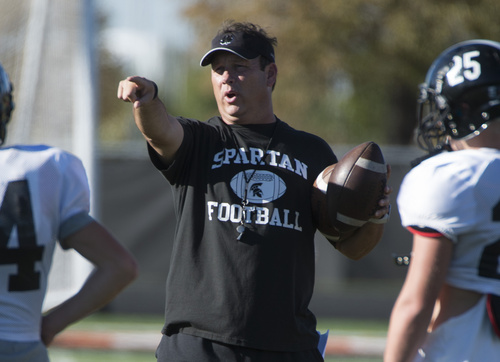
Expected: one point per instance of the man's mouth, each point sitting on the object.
(231, 95)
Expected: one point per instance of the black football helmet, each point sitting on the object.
(461, 94)
(6, 104)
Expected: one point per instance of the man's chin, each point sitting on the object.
(231, 115)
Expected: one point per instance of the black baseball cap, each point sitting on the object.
(244, 45)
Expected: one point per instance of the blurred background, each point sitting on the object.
(348, 71)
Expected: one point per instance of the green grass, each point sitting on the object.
(103, 322)
(120, 322)
(64, 355)
(372, 328)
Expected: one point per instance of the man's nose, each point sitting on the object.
(227, 76)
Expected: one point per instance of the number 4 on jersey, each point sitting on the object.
(16, 211)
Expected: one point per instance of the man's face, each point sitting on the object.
(241, 88)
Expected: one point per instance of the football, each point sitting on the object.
(346, 195)
(320, 206)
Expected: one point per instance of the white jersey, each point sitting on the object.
(458, 194)
(464, 338)
(44, 197)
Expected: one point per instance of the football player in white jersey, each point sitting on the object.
(44, 198)
(447, 309)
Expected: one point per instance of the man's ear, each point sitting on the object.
(272, 73)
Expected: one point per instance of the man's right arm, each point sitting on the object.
(162, 131)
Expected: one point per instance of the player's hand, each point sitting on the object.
(385, 202)
(137, 90)
(47, 331)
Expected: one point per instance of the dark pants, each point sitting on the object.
(23, 351)
(185, 348)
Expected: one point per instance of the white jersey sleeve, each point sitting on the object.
(438, 194)
(458, 195)
(44, 196)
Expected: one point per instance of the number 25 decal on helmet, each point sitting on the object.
(461, 93)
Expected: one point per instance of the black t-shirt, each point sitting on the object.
(255, 291)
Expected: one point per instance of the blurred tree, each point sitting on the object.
(115, 120)
(348, 70)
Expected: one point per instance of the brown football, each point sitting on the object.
(346, 194)
(319, 203)
(356, 186)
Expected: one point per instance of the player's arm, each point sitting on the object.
(162, 131)
(414, 306)
(115, 268)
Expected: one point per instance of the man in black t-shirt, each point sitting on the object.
(242, 270)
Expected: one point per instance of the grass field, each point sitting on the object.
(104, 324)
(99, 356)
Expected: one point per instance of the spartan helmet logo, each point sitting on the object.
(226, 39)
(256, 189)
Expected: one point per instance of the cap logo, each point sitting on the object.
(226, 39)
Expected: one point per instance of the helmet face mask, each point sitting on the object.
(6, 103)
(431, 129)
(461, 94)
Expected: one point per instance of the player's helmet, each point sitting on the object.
(461, 94)
(6, 104)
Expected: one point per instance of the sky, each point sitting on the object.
(139, 32)
(161, 17)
